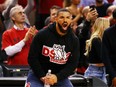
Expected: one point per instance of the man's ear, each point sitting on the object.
(12, 18)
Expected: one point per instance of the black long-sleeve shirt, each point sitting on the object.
(49, 50)
(109, 50)
(83, 33)
(95, 53)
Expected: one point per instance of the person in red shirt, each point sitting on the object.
(16, 41)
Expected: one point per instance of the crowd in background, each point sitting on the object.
(90, 19)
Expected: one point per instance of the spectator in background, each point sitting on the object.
(8, 22)
(16, 41)
(2, 29)
(55, 48)
(53, 12)
(110, 16)
(83, 32)
(101, 8)
(43, 11)
(93, 50)
(109, 52)
(3, 5)
(31, 15)
(66, 3)
(76, 12)
(110, 9)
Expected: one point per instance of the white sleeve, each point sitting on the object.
(11, 50)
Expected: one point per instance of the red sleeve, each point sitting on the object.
(5, 40)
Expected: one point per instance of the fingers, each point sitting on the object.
(51, 79)
(94, 12)
(48, 80)
(32, 30)
(30, 33)
(92, 15)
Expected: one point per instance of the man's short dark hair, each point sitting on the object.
(63, 10)
(114, 14)
(55, 7)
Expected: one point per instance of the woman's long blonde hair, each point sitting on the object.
(97, 32)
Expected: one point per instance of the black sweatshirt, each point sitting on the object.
(49, 50)
(83, 33)
(95, 53)
(109, 50)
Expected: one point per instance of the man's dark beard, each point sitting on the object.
(62, 30)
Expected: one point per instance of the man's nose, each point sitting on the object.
(65, 19)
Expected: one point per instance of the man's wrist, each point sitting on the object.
(24, 40)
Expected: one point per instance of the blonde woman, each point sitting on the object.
(93, 50)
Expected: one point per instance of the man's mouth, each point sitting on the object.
(64, 25)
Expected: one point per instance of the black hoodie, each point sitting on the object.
(109, 50)
(49, 50)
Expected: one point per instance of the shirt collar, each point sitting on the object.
(17, 28)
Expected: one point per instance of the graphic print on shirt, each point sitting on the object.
(56, 53)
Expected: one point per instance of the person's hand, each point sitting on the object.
(114, 82)
(31, 32)
(51, 79)
(92, 15)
